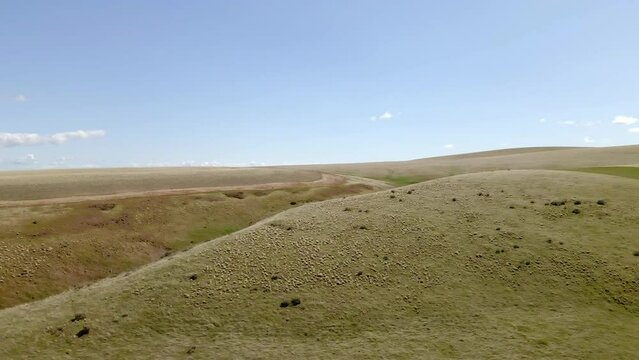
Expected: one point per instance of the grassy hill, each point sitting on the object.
(556, 158)
(506, 264)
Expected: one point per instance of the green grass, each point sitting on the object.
(625, 171)
(401, 180)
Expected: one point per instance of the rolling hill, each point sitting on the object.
(502, 264)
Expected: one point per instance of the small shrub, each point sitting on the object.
(601, 202)
(293, 202)
(577, 202)
(359, 273)
(498, 229)
(576, 211)
(511, 207)
(549, 241)
(348, 209)
(515, 246)
(193, 277)
(527, 262)
(363, 227)
(296, 301)
(284, 304)
(385, 257)
(275, 277)
(636, 253)
(454, 199)
(392, 196)
(409, 192)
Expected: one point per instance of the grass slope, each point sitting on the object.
(433, 270)
(625, 171)
(404, 172)
(45, 250)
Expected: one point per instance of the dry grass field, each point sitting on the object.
(550, 158)
(34, 185)
(490, 265)
(493, 263)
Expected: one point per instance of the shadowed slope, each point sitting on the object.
(438, 272)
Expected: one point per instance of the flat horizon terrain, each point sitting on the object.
(502, 254)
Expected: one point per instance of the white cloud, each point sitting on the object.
(542, 121)
(20, 98)
(624, 120)
(568, 122)
(589, 140)
(384, 116)
(25, 160)
(23, 139)
(634, 130)
(449, 146)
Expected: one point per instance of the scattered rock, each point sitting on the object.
(235, 194)
(84, 331)
(103, 207)
(78, 317)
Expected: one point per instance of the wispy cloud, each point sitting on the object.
(542, 120)
(625, 120)
(449, 146)
(20, 98)
(25, 139)
(568, 122)
(634, 130)
(386, 115)
(28, 159)
(589, 140)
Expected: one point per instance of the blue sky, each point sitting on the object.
(139, 83)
